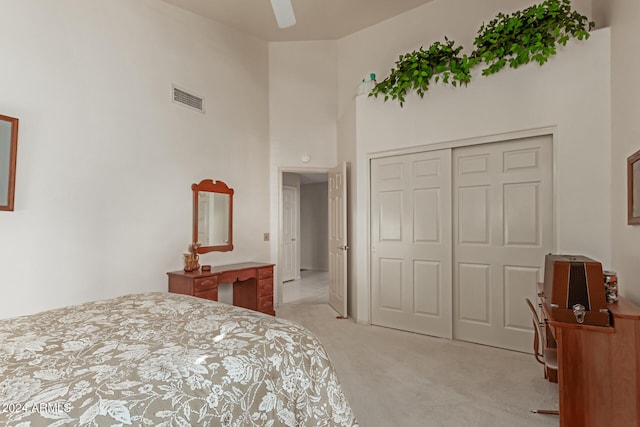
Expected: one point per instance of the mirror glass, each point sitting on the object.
(213, 219)
(212, 216)
(8, 149)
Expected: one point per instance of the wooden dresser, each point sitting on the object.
(598, 368)
(252, 284)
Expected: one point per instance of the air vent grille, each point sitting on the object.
(187, 99)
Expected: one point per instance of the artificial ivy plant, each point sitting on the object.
(416, 69)
(528, 35)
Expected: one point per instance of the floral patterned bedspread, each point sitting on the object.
(163, 359)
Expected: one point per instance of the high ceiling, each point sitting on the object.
(316, 19)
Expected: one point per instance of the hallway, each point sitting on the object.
(311, 288)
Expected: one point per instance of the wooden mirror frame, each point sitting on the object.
(210, 186)
(633, 186)
(13, 150)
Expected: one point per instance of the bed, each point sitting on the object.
(163, 359)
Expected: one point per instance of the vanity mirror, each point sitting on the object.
(212, 216)
(8, 149)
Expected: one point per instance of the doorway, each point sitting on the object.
(304, 238)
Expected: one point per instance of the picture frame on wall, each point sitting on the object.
(633, 188)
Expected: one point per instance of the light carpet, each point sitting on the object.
(395, 378)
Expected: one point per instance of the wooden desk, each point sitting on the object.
(252, 284)
(599, 369)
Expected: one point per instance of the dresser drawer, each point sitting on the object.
(265, 272)
(265, 287)
(265, 304)
(205, 283)
(211, 294)
(237, 276)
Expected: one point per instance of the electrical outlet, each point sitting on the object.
(266, 237)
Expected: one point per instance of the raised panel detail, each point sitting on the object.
(521, 214)
(473, 215)
(515, 161)
(335, 205)
(337, 267)
(390, 215)
(474, 293)
(391, 284)
(332, 183)
(335, 182)
(392, 172)
(519, 283)
(426, 215)
(473, 164)
(426, 286)
(424, 168)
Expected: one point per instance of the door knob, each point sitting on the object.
(344, 248)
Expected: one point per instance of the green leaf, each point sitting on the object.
(528, 35)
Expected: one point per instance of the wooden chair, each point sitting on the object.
(544, 355)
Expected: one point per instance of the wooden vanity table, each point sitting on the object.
(213, 231)
(252, 284)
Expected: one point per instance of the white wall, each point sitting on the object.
(302, 102)
(106, 161)
(302, 117)
(624, 16)
(569, 95)
(314, 226)
(375, 49)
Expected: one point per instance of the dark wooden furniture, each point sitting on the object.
(546, 353)
(574, 289)
(598, 367)
(252, 284)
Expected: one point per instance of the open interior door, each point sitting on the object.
(290, 261)
(338, 239)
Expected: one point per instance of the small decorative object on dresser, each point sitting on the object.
(252, 284)
(191, 259)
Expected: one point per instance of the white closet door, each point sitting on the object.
(411, 242)
(502, 222)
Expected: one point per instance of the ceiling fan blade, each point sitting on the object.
(284, 13)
